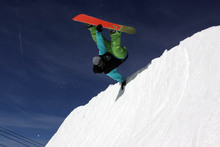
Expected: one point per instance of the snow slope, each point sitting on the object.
(174, 102)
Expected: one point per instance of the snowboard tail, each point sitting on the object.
(95, 21)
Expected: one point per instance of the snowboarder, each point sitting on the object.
(111, 53)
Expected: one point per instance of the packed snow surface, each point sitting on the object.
(174, 102)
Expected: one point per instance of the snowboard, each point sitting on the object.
(95, 21)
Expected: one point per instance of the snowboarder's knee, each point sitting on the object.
(120, 52)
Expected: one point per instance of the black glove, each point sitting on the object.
(123, 84)
(99, 28)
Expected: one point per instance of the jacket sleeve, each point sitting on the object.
(115, 75)
(100, 44)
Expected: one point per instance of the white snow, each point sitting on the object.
(174, 102)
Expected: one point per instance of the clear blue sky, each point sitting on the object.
(45, 57)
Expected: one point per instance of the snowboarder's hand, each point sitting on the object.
(123, 84)
(99, 28)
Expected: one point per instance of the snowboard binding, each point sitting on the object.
(88, 25)
(113, 31)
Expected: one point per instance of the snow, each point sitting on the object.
(175, 101)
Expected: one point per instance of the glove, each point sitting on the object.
(99, 28)
(123, 84)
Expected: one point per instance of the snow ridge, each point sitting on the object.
(175, 101)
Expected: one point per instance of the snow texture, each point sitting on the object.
(173, 102)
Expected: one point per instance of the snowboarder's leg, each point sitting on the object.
(93, 34)
(119, 51)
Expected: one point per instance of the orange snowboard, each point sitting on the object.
(95, 21)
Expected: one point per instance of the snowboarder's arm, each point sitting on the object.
(101, 44)
(94, 37)
(115, 75)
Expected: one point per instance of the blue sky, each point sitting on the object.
(45, 57)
